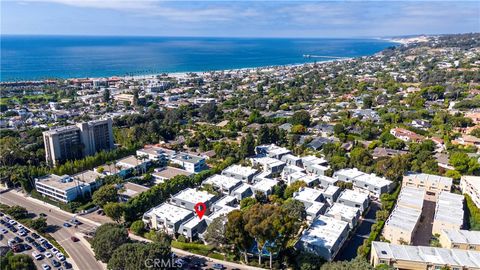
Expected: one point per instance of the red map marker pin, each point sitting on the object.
(200, 208)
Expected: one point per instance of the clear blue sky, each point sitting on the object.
(238, 18)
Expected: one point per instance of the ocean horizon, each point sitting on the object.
(58, 57)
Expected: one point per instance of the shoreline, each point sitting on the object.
(185, 73)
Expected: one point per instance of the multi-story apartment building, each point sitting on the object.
(61, 188)
(448, 212)
(422, 257)
(190, 163)
(461, 239)
(470, 185)
(432, 184)
(402, 223)
(324, 237)
(77, 141)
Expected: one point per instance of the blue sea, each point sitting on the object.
(42, 57)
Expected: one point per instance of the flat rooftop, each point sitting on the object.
(240, 170)
(474, 181)
(169, 212)
(350, 173)
(313, 160)
(88, 176)
(170, 172)
(324, 231)
(194, 196)
(307, 194)
(64, 182)
(132, 189)
(411, 197)
(353, 196)
(430, 179)
(373, 180)
(130, 161)
(449, 208)
(265, 184)
(268, 161)
(431, 255)
(222, 181)
(185, 157)
(404, 218)
(339, 209)
(462, 236)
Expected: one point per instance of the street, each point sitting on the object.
(81, 255)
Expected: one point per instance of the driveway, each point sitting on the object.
(362, 232)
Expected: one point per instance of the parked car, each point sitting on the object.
(47, 245)
(67, 265)
(18, 239)
(12, 222)
(29, 239)
(218, 266)
(60, 256)
(17, 248)
(48, 254)
(46, 267)
(22, 233)
(55, 263)
(26, 246)
(36, 236)
(37, 255)
(3, 231)
(54, 250)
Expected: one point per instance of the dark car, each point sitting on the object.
(29, 239)
(12, 229)
(67, 265)
(43, 214)
(55, 263)
(27, 247)
(1, 214)
(36, 236)
(76, 222)
(18, 239)
(40, 248)
(67, 225)
(2, 221)
(17, 248)
(47, 245)
(74, 239)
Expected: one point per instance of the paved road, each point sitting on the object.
(82, 256)
(362, 232)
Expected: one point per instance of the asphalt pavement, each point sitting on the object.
(82, 256)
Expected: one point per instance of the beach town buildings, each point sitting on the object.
(448, 212)
(460, 239)
(423, 257)
(363, 182)
(406, 135)
(470, 185)
(402, 223)
(354, 199)
(63, 188)
(324, 237)
(433, 184)
(77, 141)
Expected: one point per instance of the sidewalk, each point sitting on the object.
(56, 208)
(186, 253)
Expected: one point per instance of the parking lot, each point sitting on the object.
(23, 240)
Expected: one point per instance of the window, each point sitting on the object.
(471, 247)
(456, 246)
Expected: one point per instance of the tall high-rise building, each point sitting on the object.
(77, 141)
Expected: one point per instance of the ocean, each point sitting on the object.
(44, 57)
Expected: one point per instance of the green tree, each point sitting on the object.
(300, 118)
(114, 210)
(39, 224)
(107, 238)
(360, 158)
(106, 95)
(105, 194)
(215, 234)
(247, 146)
(294, 187)
(16, 262)
(137, 227)
(17, 212)
(133, 256)
(247, 202)
(295, 209)
(236, 234)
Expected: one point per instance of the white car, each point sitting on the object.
(36, 255)
(20, 226)
(22, 233)
(54, 250)
(46, 267)
(48, 254)
(3, 231)
(12, 222)
(60, 256)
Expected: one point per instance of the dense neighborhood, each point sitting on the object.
(362, 163)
